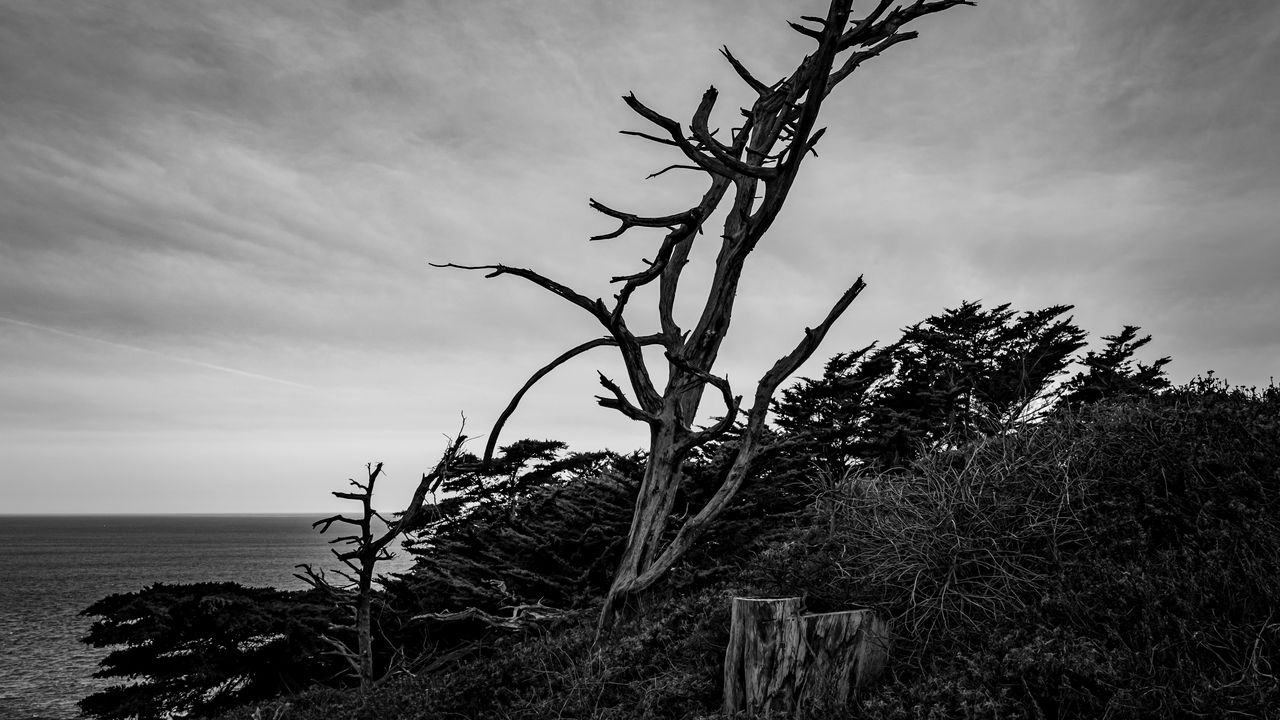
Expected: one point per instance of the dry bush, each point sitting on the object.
(951, 544)
(1122, 562)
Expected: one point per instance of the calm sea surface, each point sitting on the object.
(51, 568)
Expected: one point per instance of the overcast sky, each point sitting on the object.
(216, 217)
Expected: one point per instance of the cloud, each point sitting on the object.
(166, 356)
(259, 188)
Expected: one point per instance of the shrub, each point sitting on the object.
(665, 666)
(1117, 561)
(950, 545)
(200, 649)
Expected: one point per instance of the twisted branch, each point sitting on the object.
(620, 402)
(543, 372)
(732, 404)
(693, 528)
(629, 220)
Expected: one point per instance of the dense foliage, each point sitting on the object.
(1114, 372)
(1048, 545)
(959, 374)
(666, 665)
(1117, 561)
(206, 647)
(537, 524)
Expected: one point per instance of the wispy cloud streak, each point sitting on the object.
(166, 356)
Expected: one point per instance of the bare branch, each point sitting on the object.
(670, 279)
(326, 522)
(696, 525)
(629, 220)
(858, 58)
(627, 343)
(743, 73)
(723, 154)
(522, 616)
(595, 307)
(340, 648)
(647, 136)
(814, 83)
(620, 402)
(872, 29)
(318, 581)
(813, 140)
(429, 482)
(543, 372)
(667, 169)
(655, 270)
(701, 126)
(716, 163)
(810, 32)
(805, 348)
(671, 126)
(732, 403)
(857, 34)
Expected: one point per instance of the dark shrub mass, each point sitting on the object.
(1121, 560)
(1118, 559)
(666, 665)
(201, 649)
(1045, 546)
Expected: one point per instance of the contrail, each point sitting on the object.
(166, 356)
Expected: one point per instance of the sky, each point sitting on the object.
(217, 218)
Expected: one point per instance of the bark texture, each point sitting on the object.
(781, 661)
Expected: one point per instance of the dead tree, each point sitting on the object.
(752, 170)
(368, 549)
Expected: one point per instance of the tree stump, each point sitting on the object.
(780, 660)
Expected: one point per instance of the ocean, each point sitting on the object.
(52, 567)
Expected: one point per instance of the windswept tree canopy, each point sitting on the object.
(967, 371)
(1114, 372)
(207, 647)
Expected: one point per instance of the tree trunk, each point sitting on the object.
(364, 636)
(781, 661)
(649, 520)
(844, 651)
(761, 664)
(760, 160)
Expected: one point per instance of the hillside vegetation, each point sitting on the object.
(1107, 546)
